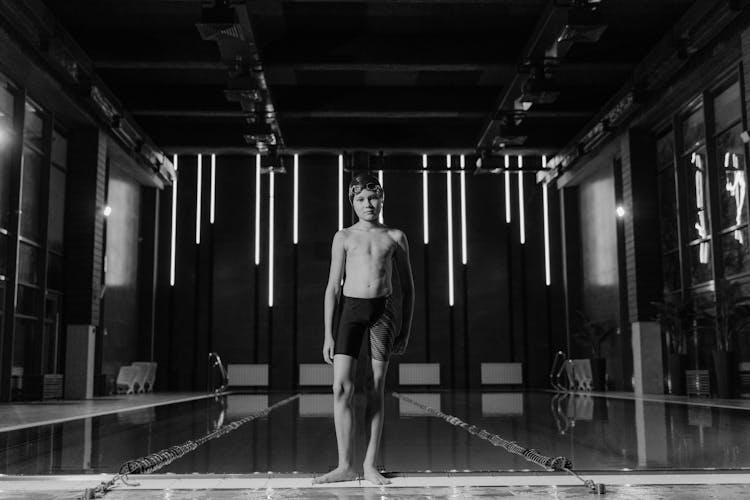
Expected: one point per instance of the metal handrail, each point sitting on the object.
(214, 360)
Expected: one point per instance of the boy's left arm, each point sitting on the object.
(403, 265)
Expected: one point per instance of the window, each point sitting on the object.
(668, 215)
(732, 187)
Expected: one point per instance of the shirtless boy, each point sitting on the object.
(364, 254)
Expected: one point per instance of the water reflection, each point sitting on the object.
(595, 433)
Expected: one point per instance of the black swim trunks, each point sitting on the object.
(360, 316)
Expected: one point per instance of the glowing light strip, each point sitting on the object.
(341, 192)
(257, 209)
(380, 180)
(449, 189)
(270, 238)
(522, 222)
(295, 227)
(426, 221)
(198, 196)
(507, 190)
(213, 188)
(174, 224)
(464, 257)
(546, 227)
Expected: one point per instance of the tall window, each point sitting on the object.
(732, 188)
(696, 179)
(668, 216)
(7, 100)
(27, 339)
(55, 232)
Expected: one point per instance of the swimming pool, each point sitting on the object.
(595, 433)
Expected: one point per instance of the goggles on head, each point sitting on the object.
(370, 186)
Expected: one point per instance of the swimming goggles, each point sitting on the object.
(370, 186)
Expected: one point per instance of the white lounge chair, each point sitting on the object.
(140, 376)
(126, 379)
(146, 383)
(582, 373)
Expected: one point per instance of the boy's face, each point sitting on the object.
(367, 205)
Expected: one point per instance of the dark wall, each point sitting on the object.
(220, 299)
(120, 315)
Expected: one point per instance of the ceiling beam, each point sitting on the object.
(358, 114)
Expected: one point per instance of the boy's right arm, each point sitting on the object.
(332, 293)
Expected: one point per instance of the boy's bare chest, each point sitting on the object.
(377, 246)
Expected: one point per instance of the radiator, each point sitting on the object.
(697, 383)
(316, 405)
(315, 374)
(406, 409)
(502, 373)
(419, 373)
(502, 404)
(247, 374)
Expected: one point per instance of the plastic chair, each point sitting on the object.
(140, 376)
(147, 375)
(126, 379)
(582, 374)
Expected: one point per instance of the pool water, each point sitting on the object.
(595, 433)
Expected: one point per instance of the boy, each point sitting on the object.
(365, 254)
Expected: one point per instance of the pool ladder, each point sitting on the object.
(214, 361)
(557, 370)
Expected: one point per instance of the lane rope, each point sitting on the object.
(155, 461)
(550, 464)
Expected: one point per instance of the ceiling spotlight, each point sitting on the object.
(107, 211)
(584, 24)
(540, 88)
(620, 211)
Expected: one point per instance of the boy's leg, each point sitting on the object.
(344, 369)
(374, 421)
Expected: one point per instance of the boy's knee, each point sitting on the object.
(343, 390)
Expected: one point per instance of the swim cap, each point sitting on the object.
(361, 182)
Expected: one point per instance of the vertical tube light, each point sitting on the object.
(521, 215)
(507, 190)
(198, 197)
(341, 192)
(464, 257)
(257, 209)
(425, 217)
(380, 180)
(295, 227)
(546, 227)
(271, 204)
(449, 189)
(174, 224)
(213, 187)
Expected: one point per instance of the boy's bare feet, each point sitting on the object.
(337, 475)
(375, 477)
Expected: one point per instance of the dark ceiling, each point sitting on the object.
(412, 75)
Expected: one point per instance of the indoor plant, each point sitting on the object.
(591, 335)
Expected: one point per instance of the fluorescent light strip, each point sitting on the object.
(426, 220)
(257, 209)
(521, 213)
(546, 227)
(507, 190)
(295, 227)
(380, 179)
(213, 187)
(341, 192)
(198, 196)
(174, 223)
(464, 257)
(270, 238)
(449, 190)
